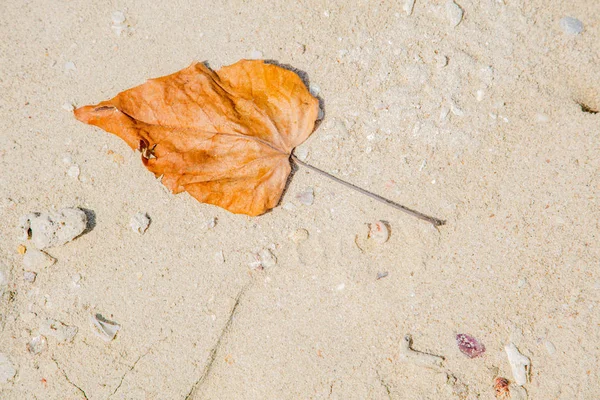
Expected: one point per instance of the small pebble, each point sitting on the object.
(340, 287)
(454, 13)
(381, 275)
(21, 249)
(480, 94)
(37, 345)
(408, 6)
(74, 171)
(379, 232)
(301, 153)
(104, 328)
(68, 107)
(212, 223)
(469, 346)
(306, 197)
(550, 348)
(299, 235)
(29, 276)
(441, 61)
(314, 89)
(54, 228)
(139, 223)
(7, 369)
(219, 257)
(117, 17)
(571, 26)
(321, 114)
(256, 55)
(70, 66)
(36, 259)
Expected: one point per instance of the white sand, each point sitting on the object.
(494, 142)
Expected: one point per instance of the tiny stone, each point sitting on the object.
(70, 66)
(299, 235)
(382, 275)
(571, 26)
(379, 232)
(307, 197)
(314, 89)
(29, 276)
(139, 223)
(321, 114)
(480, 94)
(212, 223)
(454, 13)
(21, 249)
(68, 107)
(256, 55)
(37, 345)
(550, 348)
(117, 17)
(74, 171)
(7, 369)
(340, 287)
(219, 257)
(263, 259)
(441, 61)
(301, 153)
(36, 259)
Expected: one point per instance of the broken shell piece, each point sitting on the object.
(104, 328)
(139, 223)
(379, 232)
(54, 228)
(424, 359)
(299, 235)
(519, 364)
(29, 276)
(37, 344)
(36, 259)
(501, 388)
(263, 259)
(307, 197)
(454, 13)
(469, 346)
(58, 330)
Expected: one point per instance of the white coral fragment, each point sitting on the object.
(519, 364)
(54, 228)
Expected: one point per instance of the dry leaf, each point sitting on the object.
(225, 137)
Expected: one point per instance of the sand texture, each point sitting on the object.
(483, 115)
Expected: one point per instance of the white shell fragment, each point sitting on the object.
(104, 328)
(379, 232)
(408, 6)
(407, 354)
(519, 364)
(54, 228)
(35, 259)
(139, 223)
(7, 369)
(29, 276)
(37, 345)
(57, 330)
(571, 26)
(454, 13)
(119, 26)
(263, 259)
(306, 197)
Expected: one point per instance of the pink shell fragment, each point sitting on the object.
(469, 346)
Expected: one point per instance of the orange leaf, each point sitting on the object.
(225, 137)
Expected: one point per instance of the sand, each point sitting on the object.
(486, 124)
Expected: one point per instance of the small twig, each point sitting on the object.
(424, 217)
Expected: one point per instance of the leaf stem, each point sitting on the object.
(424, 217)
